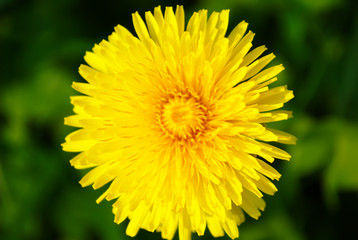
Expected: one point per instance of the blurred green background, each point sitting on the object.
(42, 44)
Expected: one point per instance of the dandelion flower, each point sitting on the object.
(175, 121)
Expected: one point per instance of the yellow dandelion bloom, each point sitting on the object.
(175, 120)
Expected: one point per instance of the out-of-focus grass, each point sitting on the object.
(42, 43)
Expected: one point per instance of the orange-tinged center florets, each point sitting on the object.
(182, 116)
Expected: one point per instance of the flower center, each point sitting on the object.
(183, 117)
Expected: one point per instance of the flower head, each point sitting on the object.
(174, 120)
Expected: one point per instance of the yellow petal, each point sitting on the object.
(215, 227)
(140, 27)
(180, 17)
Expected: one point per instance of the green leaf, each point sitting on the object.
(342, 172)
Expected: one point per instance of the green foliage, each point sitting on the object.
(42, 44)
(341, 173)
